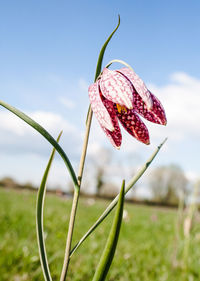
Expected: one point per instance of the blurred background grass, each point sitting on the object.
(148, 248)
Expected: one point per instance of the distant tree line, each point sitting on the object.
(167, 184)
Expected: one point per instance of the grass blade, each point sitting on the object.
(46, 135)
(109, 251)
(101, 54)
(114, 202)
(39, 218)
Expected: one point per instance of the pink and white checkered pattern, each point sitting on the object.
(124, 88)
(138, 84)
(116, 88)
(98, 108)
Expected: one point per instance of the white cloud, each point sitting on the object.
(52, 121)
(181, 100)
(18, 137)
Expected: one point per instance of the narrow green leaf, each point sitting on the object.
(46, 135)
(100, 60)
(39, 218)
(109, 251)
(114, 202)
(101, 54)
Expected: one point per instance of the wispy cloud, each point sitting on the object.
(69, 104)
(181, 99)
(18, 138)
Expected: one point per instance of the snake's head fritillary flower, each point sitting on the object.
(122, 95)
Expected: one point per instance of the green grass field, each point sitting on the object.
(145, 250)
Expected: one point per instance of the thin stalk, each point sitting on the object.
(69, 235)
(75, 200)
(119, 61)
(81, 165)
(85, 144)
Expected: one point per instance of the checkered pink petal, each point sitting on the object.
(157, 111)
(156, 114)
(133, 124)
(115, 136)
(116, 88)
(138, 84)
(120, 96)
(98, 108)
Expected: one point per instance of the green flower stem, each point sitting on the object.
(69, 236)
(114, 202)
(75, 200)
(119, 61)
(85, 145)
(81, 165)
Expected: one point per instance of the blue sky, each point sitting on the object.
(48, 54)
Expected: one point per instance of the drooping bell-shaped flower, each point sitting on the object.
(122, 95)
